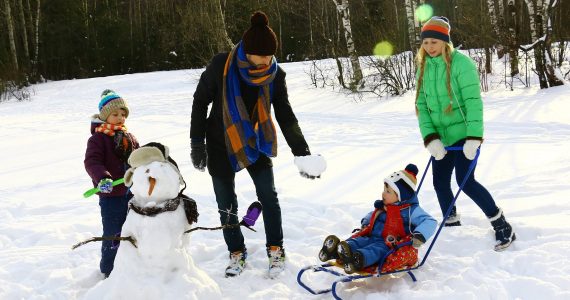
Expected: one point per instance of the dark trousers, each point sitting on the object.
(224, 188)
(113, 216)
(442, 170)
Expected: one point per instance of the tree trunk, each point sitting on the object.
(35, 74)
(12, 41)
(280, 37)
(24, 32)
(512, 43)
(343, 11)
(494, 23)
(488, 59)
(224, 33)
(311, 40)
(411, 26)
(535, 28)
(553, 79)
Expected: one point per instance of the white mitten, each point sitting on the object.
(470, 148)
(436, 149)
(311, 166)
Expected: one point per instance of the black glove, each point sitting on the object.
(199, 155)
(303, 174)
(418, 240)
(379, 204)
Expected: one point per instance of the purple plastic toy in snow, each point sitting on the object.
(252, 214)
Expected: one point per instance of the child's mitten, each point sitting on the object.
(105, 186)
(418, 240)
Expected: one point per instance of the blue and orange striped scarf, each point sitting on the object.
(246, 138)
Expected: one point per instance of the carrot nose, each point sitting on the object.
(151, 182)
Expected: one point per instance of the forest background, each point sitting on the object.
(66, 39)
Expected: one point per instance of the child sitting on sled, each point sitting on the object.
(396, 219)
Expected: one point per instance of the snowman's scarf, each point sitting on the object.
(190, 208)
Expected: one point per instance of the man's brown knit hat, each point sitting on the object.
(259, 39)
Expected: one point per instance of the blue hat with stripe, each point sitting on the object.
(111, 101)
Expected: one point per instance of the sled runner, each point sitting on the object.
(392, 262)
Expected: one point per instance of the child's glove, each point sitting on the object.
(470, 148)
(311, 166)
(198, 155)
(417, 240)
(105, 186)
(379, 204)
(436, 149)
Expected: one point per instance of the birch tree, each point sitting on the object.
(343, 11)
(11, 39)
(544, 68)
(36, 42)
(493, 11)
(511, 37)
(413, 36)
(24, 31)
(553, 79)
(222, 30)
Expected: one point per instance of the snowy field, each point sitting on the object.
(525, 163)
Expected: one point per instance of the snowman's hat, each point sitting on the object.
(149, 153)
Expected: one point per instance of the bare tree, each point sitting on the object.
(222, 28)
(553, 79)
(24, 31)
(9, 20)
(413, 34)
(544, 69)
(36, 42)
(344, 12)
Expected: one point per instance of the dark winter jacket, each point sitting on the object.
(102, 162)
(209, 90)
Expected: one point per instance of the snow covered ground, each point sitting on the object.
(525, 163)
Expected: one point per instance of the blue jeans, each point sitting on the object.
(224, 188)
(113, 216)
(442, 170)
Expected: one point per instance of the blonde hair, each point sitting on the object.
(421, 61)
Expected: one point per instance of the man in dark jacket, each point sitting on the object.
(239, 134)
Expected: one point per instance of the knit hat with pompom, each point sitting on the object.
(259, 39)
(436, 28)
(110, 102)
(404, 182)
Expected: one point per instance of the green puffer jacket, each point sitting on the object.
(466, 119)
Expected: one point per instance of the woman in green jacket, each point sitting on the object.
(450, 113)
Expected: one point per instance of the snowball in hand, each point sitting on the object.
(313, 165)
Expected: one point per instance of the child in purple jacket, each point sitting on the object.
(106, 156)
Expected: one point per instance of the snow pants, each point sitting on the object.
(113, 216)
(224, 188)
(372, 248)
(442, 170)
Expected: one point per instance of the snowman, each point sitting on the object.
(156, 265)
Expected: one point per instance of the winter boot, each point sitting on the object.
(504, 233)
(237, 263)
(453, 219)
(276, 257)
(329, 250)
(352, 262)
